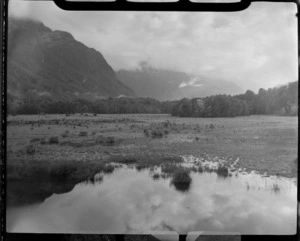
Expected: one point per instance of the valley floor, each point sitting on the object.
(267, 144)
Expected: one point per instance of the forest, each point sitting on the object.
(274, 101)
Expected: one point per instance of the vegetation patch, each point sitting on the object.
(30, 150)
(53, 140)
(181, 180)
(222, 171)
(83, 133)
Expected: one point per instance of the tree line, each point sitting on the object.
(274, 101)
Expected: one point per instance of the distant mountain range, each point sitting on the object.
(52, 63)
(173, 85)
(42, 62)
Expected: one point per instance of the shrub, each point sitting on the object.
(83, 133)
(30, 150)
(181, 180)
(222, 171)
(53, 140)
(197, 138)
(211, 126)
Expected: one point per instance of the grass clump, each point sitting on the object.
(65, 134)
(275, 188)
(222, 171)
(108, 169)
(43, 141)
(141, 166)
(157, 134)
(30, 150)
(33, 140)
(53, 140)
(169, 168)
(83, 133)
(181, 180)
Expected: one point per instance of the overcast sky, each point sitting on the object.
(254, 48)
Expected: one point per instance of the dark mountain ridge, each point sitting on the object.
(52, 63)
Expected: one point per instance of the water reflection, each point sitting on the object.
(130, 201)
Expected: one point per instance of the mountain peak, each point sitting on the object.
(44, 60)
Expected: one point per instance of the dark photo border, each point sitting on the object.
(118, 5)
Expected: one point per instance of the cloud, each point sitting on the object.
(192, 82)
(254, 48)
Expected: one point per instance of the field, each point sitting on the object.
(71, 148)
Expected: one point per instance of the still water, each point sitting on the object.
(131, 201)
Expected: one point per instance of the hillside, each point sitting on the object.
(42, 62)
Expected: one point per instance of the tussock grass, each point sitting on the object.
(181, 180)
(222, 171)
(157, 134)
(83, 133)
(108, 169)
(141, 166)
(65, 134)
(33, 140)
(43, 141)
(30, 150)
(53, 140)
(275, 188)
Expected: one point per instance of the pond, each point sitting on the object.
(129, 200)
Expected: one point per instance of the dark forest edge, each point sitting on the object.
(274, 101)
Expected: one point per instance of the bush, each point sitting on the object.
(30, 150)
(53, 140)
(181, 180)
(222, 171)
(197, 138)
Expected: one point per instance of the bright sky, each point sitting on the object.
(254, 48)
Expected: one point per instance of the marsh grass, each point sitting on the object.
(30, 150)
(53, 140)
(65, 134)
(141, 166)
(222, 171)
(108, 169)
(33, 140)
(83, 133)
(275, 188)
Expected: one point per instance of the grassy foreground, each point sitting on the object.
(60, 149)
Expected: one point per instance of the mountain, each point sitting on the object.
(42, 62)
(173, 85)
